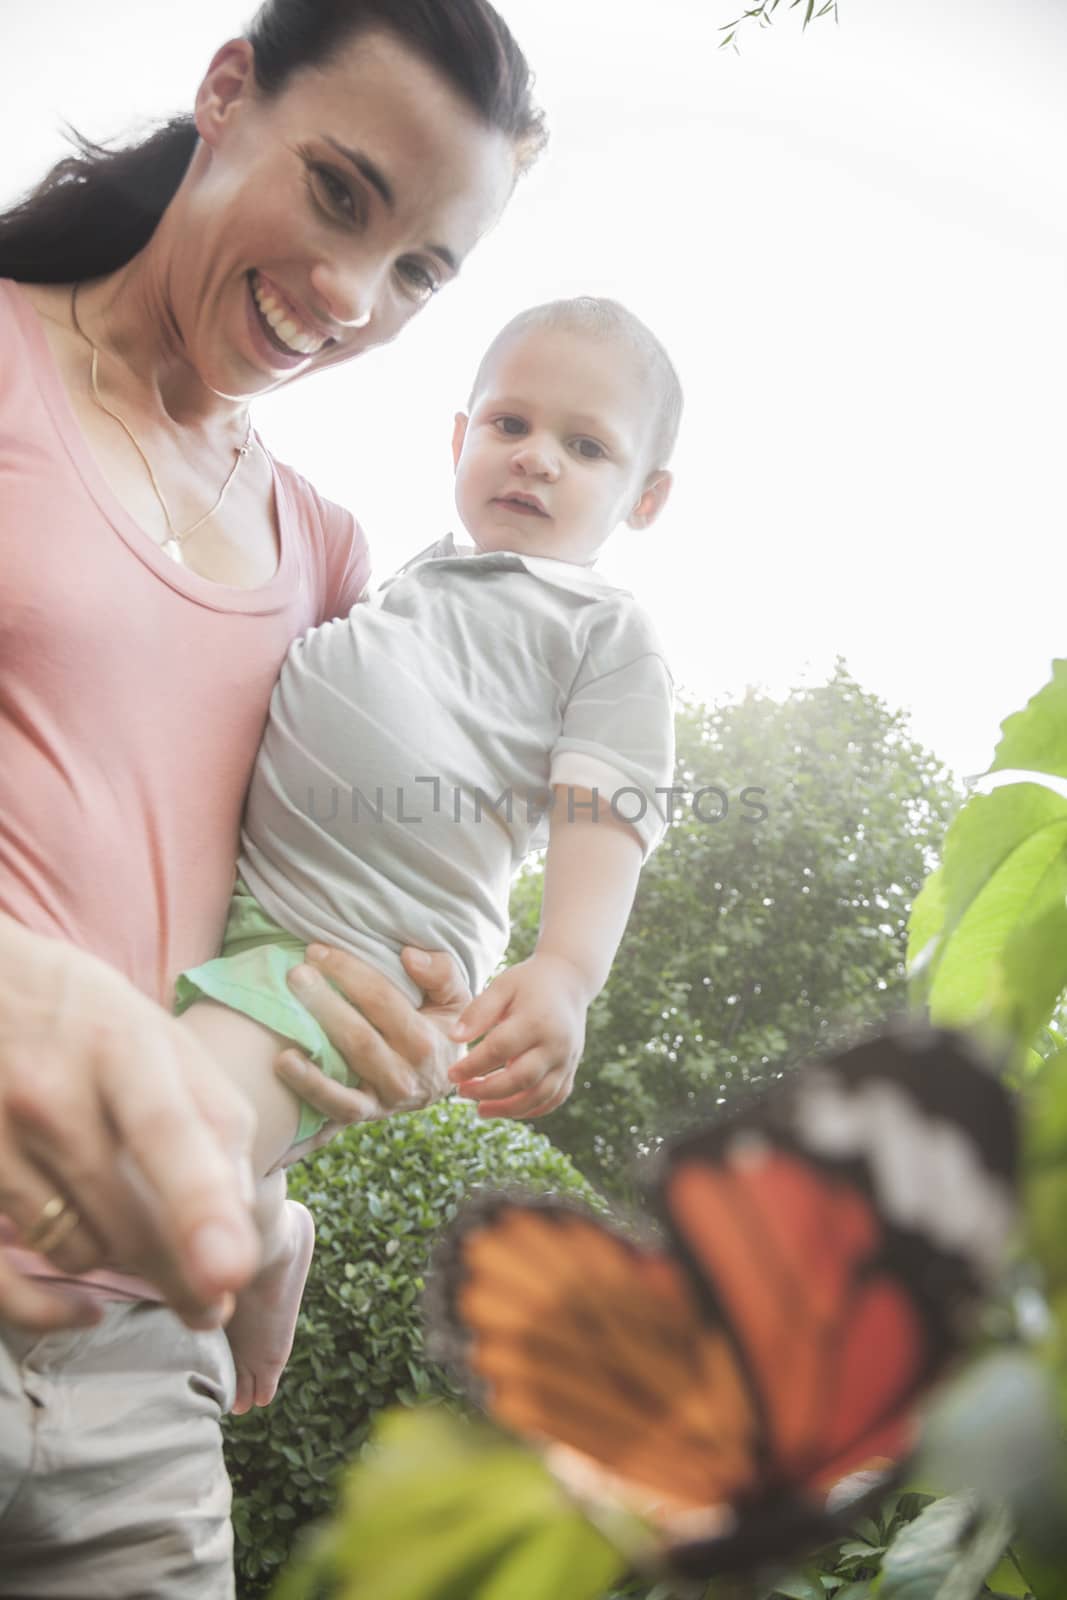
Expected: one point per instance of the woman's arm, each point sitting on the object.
(108, 1104)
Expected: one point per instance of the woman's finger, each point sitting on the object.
(381, 1004)
(339, 1102)
(32, 1304)
(444, 987)
(198, 1193)
(98, 1084)
(43, 1217)
(384, 1041)
(27, 1303)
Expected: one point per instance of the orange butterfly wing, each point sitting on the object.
(833, 1346)
(581, 1338)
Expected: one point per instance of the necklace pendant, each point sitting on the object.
(173, 549)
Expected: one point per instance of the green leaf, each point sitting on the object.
(441, 1508)
(946, 1552)
(1033, 740)
(798, 1587)
(926, 922)
(1003, 886)
(565, 1558)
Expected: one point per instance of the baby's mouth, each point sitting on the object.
(526, 503)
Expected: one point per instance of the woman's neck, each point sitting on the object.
(127, 317)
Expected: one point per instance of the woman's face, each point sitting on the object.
(316, 223)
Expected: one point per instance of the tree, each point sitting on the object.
(770, 921)
(762, 12)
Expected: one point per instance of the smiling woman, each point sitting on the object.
(341, 162)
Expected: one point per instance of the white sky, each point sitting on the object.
(851, 241)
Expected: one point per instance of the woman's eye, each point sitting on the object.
(419, 281)
(513, 427)
(589, 449)
(333, 194)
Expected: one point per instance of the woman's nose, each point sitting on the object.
(348, 293)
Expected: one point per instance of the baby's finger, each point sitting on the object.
(501, 1045)
(532, 1103)
(483, 1013)
(522, 1074)
(554, 1103)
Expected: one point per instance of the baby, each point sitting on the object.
(491, 698)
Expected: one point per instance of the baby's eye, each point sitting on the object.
(589, 449)
(513, 427)
(417, 278)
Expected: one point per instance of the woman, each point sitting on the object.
(343, 160)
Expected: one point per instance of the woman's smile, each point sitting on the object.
(283, 323)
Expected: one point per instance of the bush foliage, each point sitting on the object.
(378, 1194)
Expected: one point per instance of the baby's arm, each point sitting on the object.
(533, 1015)
(246, 1052)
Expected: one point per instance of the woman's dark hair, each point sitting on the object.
(96, 209)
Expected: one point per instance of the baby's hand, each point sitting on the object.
(533, 1021)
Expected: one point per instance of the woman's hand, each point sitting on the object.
(113, 1121)
(400, 1055)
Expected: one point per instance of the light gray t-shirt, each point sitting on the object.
(406, 766)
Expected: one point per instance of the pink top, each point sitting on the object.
(133, 692)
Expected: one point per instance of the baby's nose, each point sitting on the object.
(536, 460)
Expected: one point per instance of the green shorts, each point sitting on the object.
(249, 976)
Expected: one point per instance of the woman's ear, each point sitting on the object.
(459, 433)
(229, 80)
(653, 499)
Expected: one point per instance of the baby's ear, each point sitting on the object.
(653, 499)
(459, 433)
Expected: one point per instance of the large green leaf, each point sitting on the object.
(443, 1510)
(1001, 951)
(988, 931)
(946, 1552)
(926, 922)
(1035, 739)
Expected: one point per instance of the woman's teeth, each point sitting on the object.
(282, 325)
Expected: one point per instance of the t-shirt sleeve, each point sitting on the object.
(618, 724)
(347, 562)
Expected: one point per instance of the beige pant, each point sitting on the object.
(112, 1482)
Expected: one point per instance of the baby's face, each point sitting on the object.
(553, 455)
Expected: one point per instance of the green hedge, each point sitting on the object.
(378, 1195)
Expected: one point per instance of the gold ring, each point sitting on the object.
(57, 1220)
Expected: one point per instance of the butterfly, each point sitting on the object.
(827, 1250)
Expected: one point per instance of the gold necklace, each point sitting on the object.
(172, 545)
